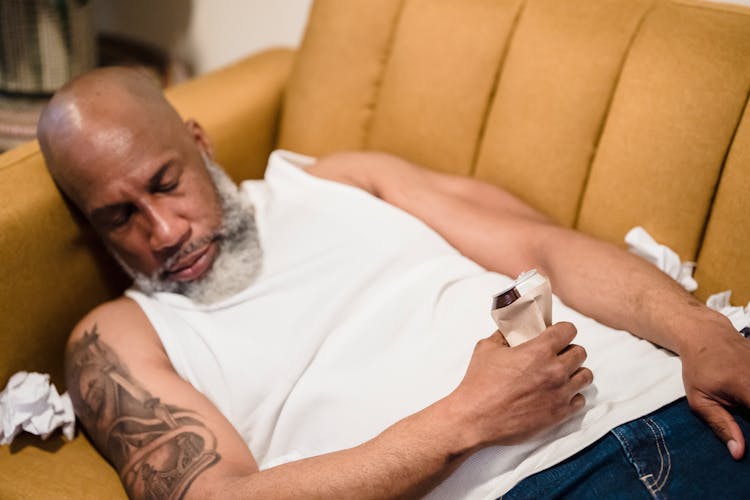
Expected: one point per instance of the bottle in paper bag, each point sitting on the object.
(523, 310)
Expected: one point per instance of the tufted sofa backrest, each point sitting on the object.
(604, 114)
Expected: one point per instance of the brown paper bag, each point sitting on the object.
(523, 310)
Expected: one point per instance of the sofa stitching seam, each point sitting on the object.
(493, 90)
(717, 184)
(378, 83)
(608, 109)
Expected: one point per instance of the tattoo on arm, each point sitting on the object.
(159, 449)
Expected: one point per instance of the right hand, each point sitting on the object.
(509, 394)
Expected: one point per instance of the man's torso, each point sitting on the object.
(363, 315)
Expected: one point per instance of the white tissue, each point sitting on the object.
(641, 243)
(738, 315)
(30, 403)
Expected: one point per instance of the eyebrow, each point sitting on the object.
(99, 214)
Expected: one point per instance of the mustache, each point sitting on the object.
(186, 250)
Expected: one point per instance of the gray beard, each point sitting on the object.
(238, 260)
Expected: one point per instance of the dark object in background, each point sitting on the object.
(20, 112)
(44, 43)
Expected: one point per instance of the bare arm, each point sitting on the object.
(168, 441)
(599, 279)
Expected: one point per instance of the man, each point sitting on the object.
(255, 304)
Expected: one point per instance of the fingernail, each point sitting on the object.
(734, 447)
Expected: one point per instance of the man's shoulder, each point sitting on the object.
(121, 323)
(116, 314)
(360, 168)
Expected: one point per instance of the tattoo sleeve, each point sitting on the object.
(158, 449)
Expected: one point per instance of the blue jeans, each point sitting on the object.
(670, 453)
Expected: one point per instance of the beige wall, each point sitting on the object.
(206, 33)
(211, 33)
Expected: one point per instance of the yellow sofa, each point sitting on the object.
(605, 114)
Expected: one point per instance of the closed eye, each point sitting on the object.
(112, 217)
(166, 179)
(120, 217)
(166, 187)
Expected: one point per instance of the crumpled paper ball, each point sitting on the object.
(642, 244)
(738, 315)
(30, 403)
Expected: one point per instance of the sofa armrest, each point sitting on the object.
(239, 106)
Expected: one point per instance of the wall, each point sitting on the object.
(211, 33)
(206, 33)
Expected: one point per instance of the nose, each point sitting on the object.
(168, 230)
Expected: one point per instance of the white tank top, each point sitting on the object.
(363, 315)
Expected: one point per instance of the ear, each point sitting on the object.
(200, 137)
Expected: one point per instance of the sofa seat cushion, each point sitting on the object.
(33, 469)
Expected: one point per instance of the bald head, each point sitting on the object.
(99, 116)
